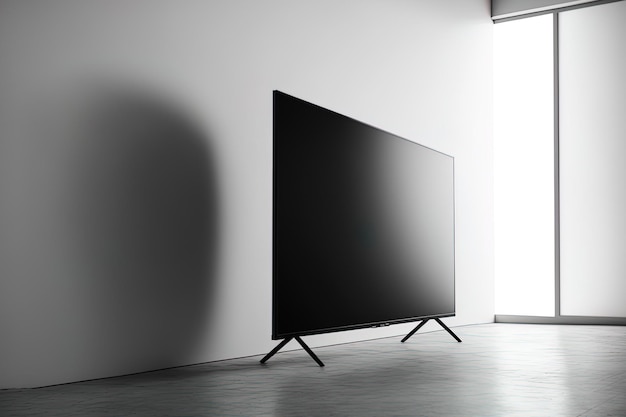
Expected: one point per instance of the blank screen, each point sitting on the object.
(363, 224)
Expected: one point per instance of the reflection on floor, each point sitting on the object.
(498, 370)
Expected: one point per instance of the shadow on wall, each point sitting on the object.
(144, 213)
(119, 197)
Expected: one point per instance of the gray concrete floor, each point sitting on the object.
(498, 370)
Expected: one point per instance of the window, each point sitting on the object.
(524, 167)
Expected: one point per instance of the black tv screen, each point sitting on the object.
(363, 230)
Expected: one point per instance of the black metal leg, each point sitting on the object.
(419, 326)
(448, 330)
(412, 332)
(276, 349)
(309, 351)
(287, 340)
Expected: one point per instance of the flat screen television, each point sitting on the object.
(363, 224)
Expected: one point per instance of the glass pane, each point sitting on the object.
(524, 167)
(592, 150)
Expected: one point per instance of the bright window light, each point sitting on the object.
(524, 167)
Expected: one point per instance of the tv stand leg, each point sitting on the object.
(276, 349)
(287, 340)
(423, 322)
(309, 351)
(448, 330)
(412, 332)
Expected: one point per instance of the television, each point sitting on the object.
(363, 224)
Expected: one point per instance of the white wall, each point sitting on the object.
(136, 165)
